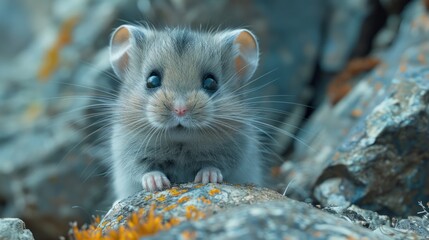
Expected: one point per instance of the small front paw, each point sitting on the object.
(155, 180)
(209, 174)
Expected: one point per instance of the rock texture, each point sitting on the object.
(178, 201)
(234, 212)
(14, 229)
(273, 220)
(370, 148)
(222, 211)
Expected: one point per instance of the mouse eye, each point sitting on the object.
(154, 80)
(209, 83)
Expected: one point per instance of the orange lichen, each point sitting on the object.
(168, 208)
(176, 192)
(161, 198)
(356, 113)
(118, 219)
(205, 200)
(199, 185)
(52, 58)
(188, 235)
(192, 213)
(183, 199)
(214, 191)
(174, 221)
(104, 223)
(136, 227)
(342, 83)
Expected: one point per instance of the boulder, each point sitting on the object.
(14, 229)
(370, 148)
(223, 211)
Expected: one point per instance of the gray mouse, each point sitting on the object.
(181, 113)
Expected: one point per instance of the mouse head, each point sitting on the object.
(183, 81)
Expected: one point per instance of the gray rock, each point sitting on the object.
(176, 202)
(14, 229)
(417, 225)
(362, 217)
(272, 220)
(369, 149)
(234, 212)
(383, 226)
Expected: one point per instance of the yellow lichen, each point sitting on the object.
(192, 213)
(183, 199)
(105, 223)
(198, 185)
(168, 208)
(148, 197)
(205, 200)
(174, 221)
(188, 235)
(118, 219)
(161, 198)
(214, 191)
(176, 192)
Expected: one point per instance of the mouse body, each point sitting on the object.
(182, 113)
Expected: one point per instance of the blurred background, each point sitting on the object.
(55, 78)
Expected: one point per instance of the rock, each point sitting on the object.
(415, 225)
(177, 201)
(370, 149)
(228, 211)
(271, 220)
(14, 229)
(362, 217)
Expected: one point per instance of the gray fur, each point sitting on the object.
(215, 133)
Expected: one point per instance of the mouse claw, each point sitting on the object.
(155, 181)
(209, 175)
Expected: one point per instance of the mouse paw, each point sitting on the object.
(209, 175)
(155, 180)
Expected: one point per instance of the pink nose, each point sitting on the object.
(180, 111)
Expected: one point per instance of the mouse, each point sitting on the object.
(181, 114)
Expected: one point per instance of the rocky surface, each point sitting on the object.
(369, 149)
(178, 201)
(14, 229)
(273, 220)
(222, 211)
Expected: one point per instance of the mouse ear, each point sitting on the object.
(124, 40)
(247, 56)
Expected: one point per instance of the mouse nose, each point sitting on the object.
(180, 111)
